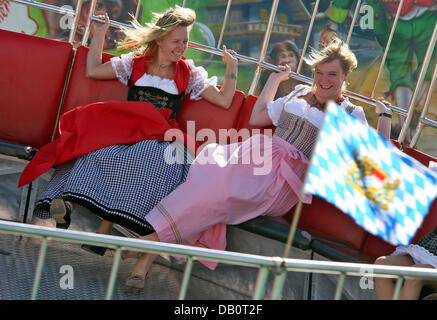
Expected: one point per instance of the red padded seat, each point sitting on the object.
(206, 115)
(243, 121)
(322, 219)
(82, 90)
(33, 73)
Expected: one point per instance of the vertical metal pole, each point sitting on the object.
(260, 286)
(339, 288)
(75, 21)
(219, 43)
(354, 19)
(114, 271)
(293, 227)
(425, 108)
(387, 46)
(88, 22)
(398, 287)
(307, 39)
(417, 89)
(264, 46)
(278, 285)
(186, 279)
(137, 11)
(39, 266)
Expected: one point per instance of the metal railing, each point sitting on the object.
(280, 266)
(259, 63)
(277, 265)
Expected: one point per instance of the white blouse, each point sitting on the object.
(301, 108)
(198, 82)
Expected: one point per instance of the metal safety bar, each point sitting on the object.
(387, 47)
(423, 120)
(259, 63)
(275, 264)
(59, 10)
(307, 39)
(354, 19)
(417, 89)
(264, 46)
(225, 19)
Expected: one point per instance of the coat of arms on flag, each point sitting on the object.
(364, 175)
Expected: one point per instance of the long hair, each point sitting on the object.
(163, 24)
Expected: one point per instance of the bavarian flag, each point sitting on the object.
(364, 175)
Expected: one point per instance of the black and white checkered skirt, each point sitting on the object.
(120, 183)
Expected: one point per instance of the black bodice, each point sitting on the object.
(159, 98)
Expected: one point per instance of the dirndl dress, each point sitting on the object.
(231, 184)
(122, 183)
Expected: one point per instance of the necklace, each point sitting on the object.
(162, 66)
(321, 106)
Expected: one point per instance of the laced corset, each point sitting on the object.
(297, 131)
(159, 98)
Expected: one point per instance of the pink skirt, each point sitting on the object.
(230, 184)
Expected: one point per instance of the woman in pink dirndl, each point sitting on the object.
(263, 175)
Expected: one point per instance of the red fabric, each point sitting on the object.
(98, 125)
(181, 74)
(408, 5)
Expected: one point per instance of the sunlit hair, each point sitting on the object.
(162, 25)
(336, 49)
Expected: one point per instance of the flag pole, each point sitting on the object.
(280, 277)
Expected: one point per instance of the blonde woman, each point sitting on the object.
(226, 189)
(121, 183)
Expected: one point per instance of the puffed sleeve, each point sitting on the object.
(123, 67)
(358, 113)
(199, 80)
(274, 108)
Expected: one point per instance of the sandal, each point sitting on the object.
(135, 283)
(60, 210)
(94, 249)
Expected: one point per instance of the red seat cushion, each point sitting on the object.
(33, 72)
(243, 121)
(82, 90)
(423, 158)
(322, 219)
(216, 120)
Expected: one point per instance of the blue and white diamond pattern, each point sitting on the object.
(340, 135)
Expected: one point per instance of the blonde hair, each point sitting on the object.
(163, 24)
(336, 49)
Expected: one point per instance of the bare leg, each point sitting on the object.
(136, 279)
(385, 287)
(145, 261)
(412, 287)
(105, 227)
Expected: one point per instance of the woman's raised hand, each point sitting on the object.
(283, 74)
(101, 27)
(381, 106)
(228, 56)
